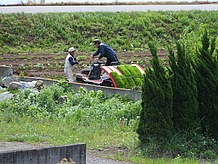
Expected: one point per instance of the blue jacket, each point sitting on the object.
(105, 51)
(73, 60)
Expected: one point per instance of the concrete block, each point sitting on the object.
(5, 71)
(50, 155)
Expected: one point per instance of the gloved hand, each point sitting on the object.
(96, 59)
(91, 57)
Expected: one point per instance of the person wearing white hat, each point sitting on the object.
(70, 61)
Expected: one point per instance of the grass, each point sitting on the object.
(25, 33)
(61, 132)
(103, 123)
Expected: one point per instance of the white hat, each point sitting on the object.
(97, 41)
(71, 49)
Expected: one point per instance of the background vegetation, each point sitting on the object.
(90, 117)
(173, 104)
(124, 31)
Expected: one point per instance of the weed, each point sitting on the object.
(58, 66)
(21, 74)
(30, 66)
(29, 57)
(40, 66)
(21, 66)
(50, 66)
(22, 57)
(59, 57)
(82, 57)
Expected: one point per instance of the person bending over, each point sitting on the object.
(105, 51)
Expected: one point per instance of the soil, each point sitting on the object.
(52, 65)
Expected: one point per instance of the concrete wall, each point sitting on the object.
(46, 81)
(51, 155)
(109, 91)
(5, 71)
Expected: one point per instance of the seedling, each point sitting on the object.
(21, 66)
(30, 66)
(49, 65)
(40, 66)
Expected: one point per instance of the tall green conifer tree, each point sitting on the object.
(206, 75)
(185, 103)
(157, 99)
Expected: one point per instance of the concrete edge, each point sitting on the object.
(48, 155)
(108, 91)
(6, 71)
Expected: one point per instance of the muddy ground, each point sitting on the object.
(52, 65)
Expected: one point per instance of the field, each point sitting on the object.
(52, 65)
(37, 44)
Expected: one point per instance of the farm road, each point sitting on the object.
(105, 8)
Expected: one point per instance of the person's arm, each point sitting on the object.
(96, 53)
(102, 52)
(72, 62)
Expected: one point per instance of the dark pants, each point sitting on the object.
(110, 60)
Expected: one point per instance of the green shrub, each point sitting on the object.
(157, 100)
(185, 103)
(192, 144)
(206, 76)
